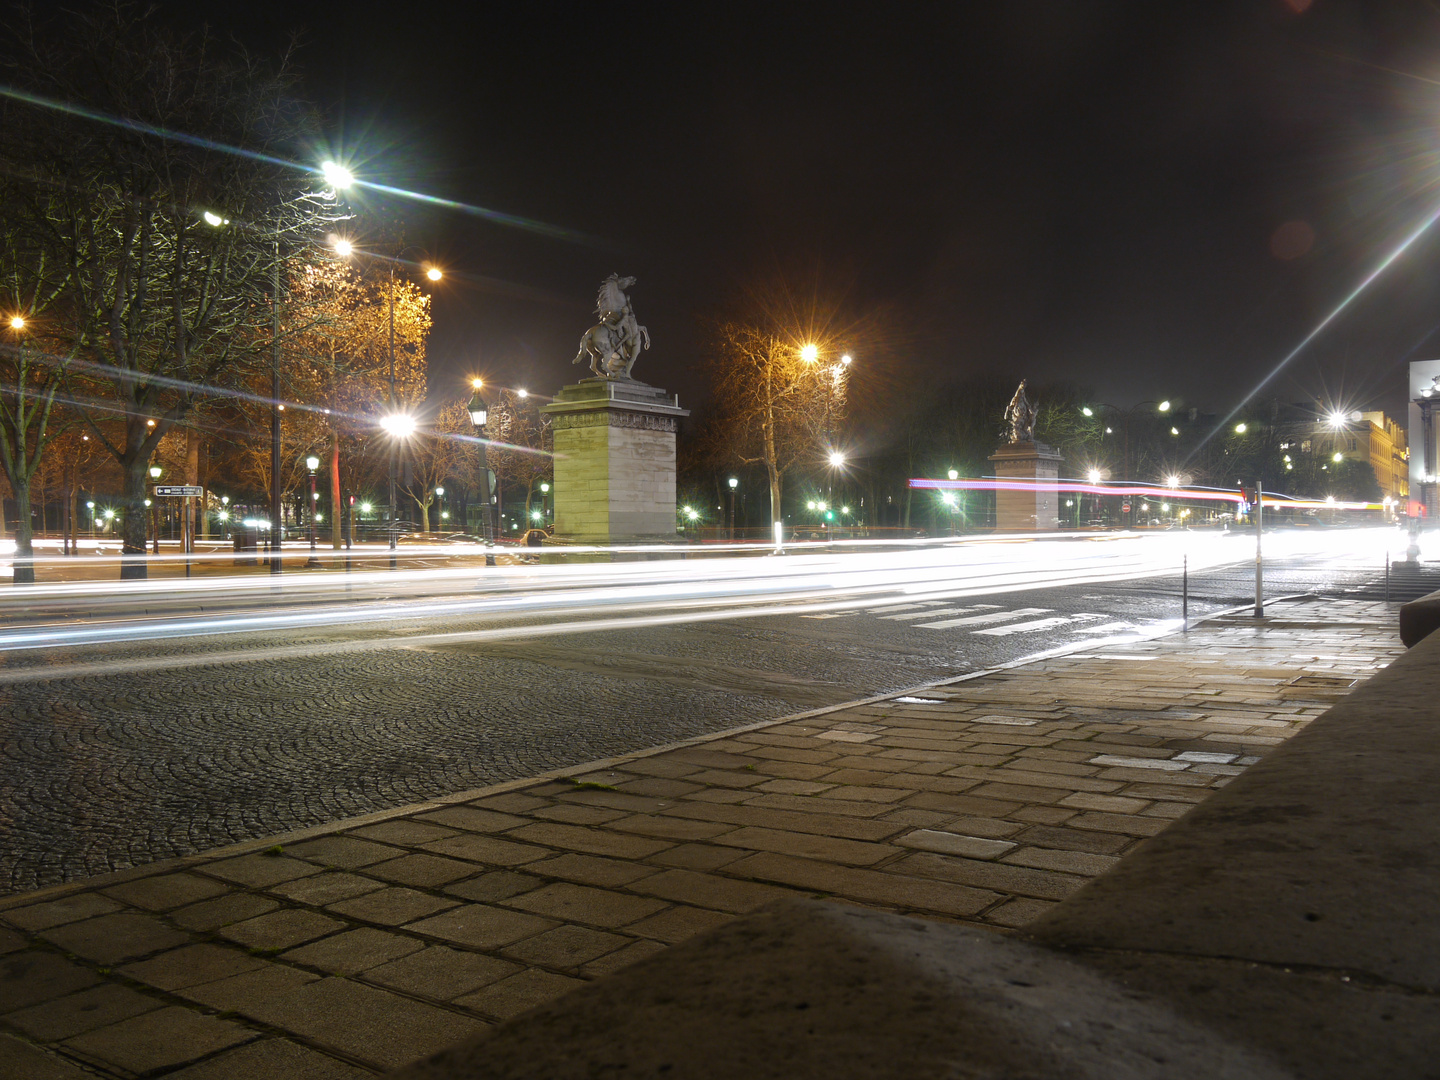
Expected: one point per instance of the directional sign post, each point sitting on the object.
(178, 491)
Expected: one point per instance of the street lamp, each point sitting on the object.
(810, 353)
(311, 464)
(732, 483)
(339, 177)
(479, 414)
(155, 513)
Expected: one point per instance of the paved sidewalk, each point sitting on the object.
(366, 944)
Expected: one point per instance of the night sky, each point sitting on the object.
(1151, 200)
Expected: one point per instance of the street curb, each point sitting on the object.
(295, 836)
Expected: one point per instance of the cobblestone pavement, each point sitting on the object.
(364, 944)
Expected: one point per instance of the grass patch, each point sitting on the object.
(273, 852)
(590, 785)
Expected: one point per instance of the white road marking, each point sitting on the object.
(942, 611)
(1035, 626)
(980, 620)
(1106, 628)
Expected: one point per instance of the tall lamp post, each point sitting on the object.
(311, 464)
(733, 483)
(155, 511)
(479, 414)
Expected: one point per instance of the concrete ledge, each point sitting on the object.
(1419, 619)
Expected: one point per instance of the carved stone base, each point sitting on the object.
(614, 461)
(1026, 510)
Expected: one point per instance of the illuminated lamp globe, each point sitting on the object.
(954, 474)
(1240, 429)
(837, 458)
(155, 472)
(734, 483)
(400, 425)
(1094, 476)
(312, 463)
(522, 394)
(810, 353)
(1172, 481)
(439, 491)
(1164, 406)
(17, 322)
(434, 273)
(344, 248)
(337, 176)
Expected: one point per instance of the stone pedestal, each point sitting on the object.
(1027, 511)
(614, 461)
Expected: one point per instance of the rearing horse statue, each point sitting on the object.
(615, 342)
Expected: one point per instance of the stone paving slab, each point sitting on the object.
(357, 947)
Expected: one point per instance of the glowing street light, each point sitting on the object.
(399, 425)
(1172, 481)
(1094, 476)
(810, 353)
(1087, 411)
(1337, 456)
(337, 176)
(1241, 428)
(954, 474)
(1336, 420)
(522, 393)
(434, 273)
(17, 322)
(344, 248)
(1164, 406)
(847, 359)
(837, 458)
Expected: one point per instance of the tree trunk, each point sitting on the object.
(336, 496)
(24, 566)
(132, 549)
(424, 515)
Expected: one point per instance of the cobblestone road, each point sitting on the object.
(102, 773)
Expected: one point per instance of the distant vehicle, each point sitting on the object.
(534, 537)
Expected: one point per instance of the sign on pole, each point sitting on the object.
(179, 491)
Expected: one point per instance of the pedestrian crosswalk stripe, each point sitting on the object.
(1035, 625)
(1106, 628)
(940, 611)
(980, 620)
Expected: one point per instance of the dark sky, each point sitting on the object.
(1152, 199)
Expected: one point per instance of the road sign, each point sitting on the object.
(1125, 507)
(179, 491)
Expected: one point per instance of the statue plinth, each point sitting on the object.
(614, 460)
(1023, 510)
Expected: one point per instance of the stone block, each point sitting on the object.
(165, 891)
(30, 977)
(354, 951)
(282, 929)
(382, 1029)
(565, 947)
(392, 907)
(160, 1039)
(271, 1059)
(518, 993)
(78, 1013)
(479, 926)
(442, 973)
(57, 912)
(113, 938)
(582, 904)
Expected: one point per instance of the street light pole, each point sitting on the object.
(734, 483)
(276, 506)
(479, 414)
(311, 464)
(394, 449)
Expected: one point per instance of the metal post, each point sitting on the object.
(1387, 575)
(187, 533)
(487, 527)
(276, 505)
(312, 561)
(1259, 564)
(1185, 591)
(393, 536)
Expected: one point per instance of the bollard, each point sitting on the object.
(1185, 591)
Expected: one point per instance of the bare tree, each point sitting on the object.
(439, 451)
(520, 442)
(779, 402)
(174, 244)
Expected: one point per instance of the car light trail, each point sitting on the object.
(582, 599)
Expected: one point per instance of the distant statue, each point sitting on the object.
(616, 341)
(1020, 416)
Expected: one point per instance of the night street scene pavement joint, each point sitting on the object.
(365, 944)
